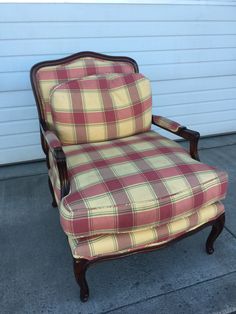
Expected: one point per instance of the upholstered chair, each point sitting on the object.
(120, 187)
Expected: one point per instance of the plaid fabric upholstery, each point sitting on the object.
(134, 182)
(101, 107)
(166, 123)
(108, 244)
(50, 76)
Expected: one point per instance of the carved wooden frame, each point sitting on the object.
(81, 265)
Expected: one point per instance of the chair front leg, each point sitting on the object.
(216, 230)
(80, 267)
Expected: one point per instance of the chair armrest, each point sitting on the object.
(53, 144)
(52, 140)
(166, 123)
(180, 130)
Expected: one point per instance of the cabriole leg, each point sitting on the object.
(54, 202)
(80, 267)
(216, 230)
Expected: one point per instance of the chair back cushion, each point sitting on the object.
(50, 76)
(101, 107)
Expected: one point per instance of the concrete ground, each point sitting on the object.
(36, 265)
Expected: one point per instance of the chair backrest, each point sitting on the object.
(46, 76)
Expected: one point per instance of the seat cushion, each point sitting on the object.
(101, 107)
(135, 182)
(110, 244)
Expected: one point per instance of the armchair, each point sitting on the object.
(120, 187)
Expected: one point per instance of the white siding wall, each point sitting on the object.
(188, 52)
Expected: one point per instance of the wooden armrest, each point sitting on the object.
(180, 130)
(52, 143)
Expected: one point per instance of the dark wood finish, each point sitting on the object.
(187, 134)
(193, 138)
(217, 228)
(81, 265)
(58, 153)
(54, 202)
(60, 160)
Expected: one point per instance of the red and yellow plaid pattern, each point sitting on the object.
(131, 183)
(109, 244)
(103, 107)
(167, 123)
(50, 76)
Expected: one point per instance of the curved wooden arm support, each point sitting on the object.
(60, 160)
(45, 147)
(187, 134)
(193, 138)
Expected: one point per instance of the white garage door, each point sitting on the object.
(187, 50)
